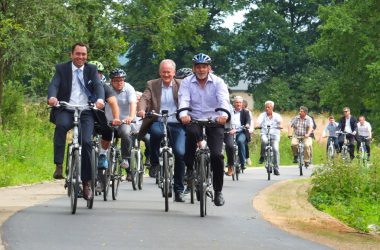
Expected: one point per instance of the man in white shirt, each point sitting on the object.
(364, 134)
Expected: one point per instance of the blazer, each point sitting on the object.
(151, 100)
(245, 118)
(61, 84)
(353, 123)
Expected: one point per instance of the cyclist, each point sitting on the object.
(302, 125)
(364, 130)
(274, 120)
(75, 82)
(330, 131)
(240, 117)
(203, 92)
(126, 99)
(100, 67)
(348, 124)
(162, 94)
(250, 130)
(146, 138)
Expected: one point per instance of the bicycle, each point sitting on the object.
(363, 154)
(344, 150)
(164, 177)
(300, 152)
(202, 183)
(73, 158)
(269, 152)
(136, 166)
(236, 166)
(331, 150)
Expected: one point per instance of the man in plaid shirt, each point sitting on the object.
(301, 125)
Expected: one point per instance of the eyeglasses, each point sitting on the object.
(345, 111)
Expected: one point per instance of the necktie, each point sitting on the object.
(79, 74)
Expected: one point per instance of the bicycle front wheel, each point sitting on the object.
(90, 202)
(134, 168)
(116, 177)
(202, 184)
(74, 180)
(268, 164)
(330, 154)
(300, 161)
(141, 170)
(165, 161)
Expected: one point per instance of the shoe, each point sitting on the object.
(179, 197)
(248, 161)
(276, 172)
(124, 164)
(307, 164)
(261, 160)
(147, 162)
(229, 172)
(295, 159)
(242, 167)
(58, 172)
(87, 193)
(128, 176)
(102, 161)
(218, 200)
(153, 171)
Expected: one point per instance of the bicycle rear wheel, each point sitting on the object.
(116, 179)
(166, 182)
(300, 162)
(106, 177)
(202, 185)
(134, 168)
(74, 180)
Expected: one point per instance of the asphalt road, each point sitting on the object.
(137, 220)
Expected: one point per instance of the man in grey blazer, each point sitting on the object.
(162, 94)
(75, 82)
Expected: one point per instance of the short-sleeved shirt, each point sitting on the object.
(264, 120)
(124, 98)
(300, 125)
(108, 91)
(365, 129)
(331, 129)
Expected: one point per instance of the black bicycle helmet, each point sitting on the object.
(201, 59)
(183, 72)
(117, 73)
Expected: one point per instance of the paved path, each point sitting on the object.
(137, 220)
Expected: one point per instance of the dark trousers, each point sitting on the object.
(351, 144)
(215, 137)
(229, 146)
(367, 144)
(64, 122)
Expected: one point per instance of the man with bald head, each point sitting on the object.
(162, 94)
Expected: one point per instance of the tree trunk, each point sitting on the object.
(1, 85)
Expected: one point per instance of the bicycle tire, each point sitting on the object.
(75, 180)
(190, 183)
(134, 168)
(268, 164)
(68, 170)
(234, 166)
(90, 202)
(345, 154)
(202, 185)
(362, 156)
(106, 178)
(330, 153)
(165, 168)
(141, 171)
(300, 161)
(116, 179)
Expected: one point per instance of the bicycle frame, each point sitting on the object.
(344, 149)
(363, 154)
(301, 150)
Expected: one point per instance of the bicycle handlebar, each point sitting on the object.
(203, 120)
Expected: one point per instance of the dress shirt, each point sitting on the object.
(264, 120)
(78, 96)
(348, 128)
(365, 129)
(203, 100)
(167, 101)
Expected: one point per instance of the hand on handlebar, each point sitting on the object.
(52, 101)
(185, 119)
(232, 131)
(99, 104)
(128, 120)
(221, 120)
(116, 122)
(141, 113)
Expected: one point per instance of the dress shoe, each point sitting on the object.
(261, 160)
(295, 159)
(276, 172)
(179, 197)
(218, 200)
(87, 192)
(58, 172)
(229, 172)
(242, 167)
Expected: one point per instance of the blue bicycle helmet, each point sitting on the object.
(183, 72)
(201, 59)
(117, 73)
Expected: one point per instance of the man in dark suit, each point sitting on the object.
(348, 124)
(162, 94)
(78, 83)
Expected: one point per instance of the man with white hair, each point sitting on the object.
(274, 120)
(240, 117)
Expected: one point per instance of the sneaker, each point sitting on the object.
(248, 161)
(218, 200)
(307, 164)
(229, 172)
(102, 161)
(276, 172)
(295, 159)
(187, 191)
(124, 164)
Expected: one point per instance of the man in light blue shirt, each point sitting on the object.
(203, 92)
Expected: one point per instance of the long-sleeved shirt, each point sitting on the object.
(203, 100)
